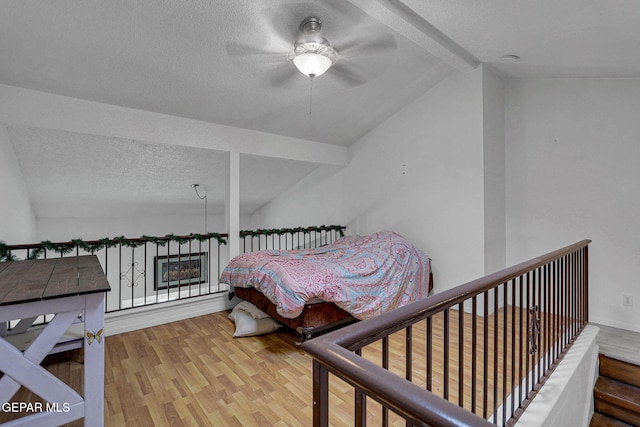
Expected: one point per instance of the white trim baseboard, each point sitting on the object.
(158, 314)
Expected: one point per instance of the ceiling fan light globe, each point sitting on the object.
(312, 64)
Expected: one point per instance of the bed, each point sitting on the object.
(318, 289)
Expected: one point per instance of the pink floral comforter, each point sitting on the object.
(363, 275)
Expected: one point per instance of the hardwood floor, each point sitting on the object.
(194, 373)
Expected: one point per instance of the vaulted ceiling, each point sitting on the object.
(226, 63)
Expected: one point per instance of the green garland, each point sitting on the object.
(5, 253)
(64, 248)
(281, 231)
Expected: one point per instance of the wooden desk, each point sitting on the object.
(67, 287)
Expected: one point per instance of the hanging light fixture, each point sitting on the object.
(312, 54)
(313, 59)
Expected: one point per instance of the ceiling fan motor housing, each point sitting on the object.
(311, 25)
(311, 42)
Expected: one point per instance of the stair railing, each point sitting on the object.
(142, 271)
(474, 355)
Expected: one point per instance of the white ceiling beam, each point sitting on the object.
(405, 21)
(42, 110)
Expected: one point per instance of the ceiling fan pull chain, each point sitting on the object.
(310, 94)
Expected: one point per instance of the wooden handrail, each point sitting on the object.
(362, 333)
(335, 351)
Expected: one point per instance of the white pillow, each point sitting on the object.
(254, 311)
(247, 326)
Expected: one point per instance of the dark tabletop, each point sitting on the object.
(34, 280)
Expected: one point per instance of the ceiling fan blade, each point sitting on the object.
(284, 78)
(273, 67)
(243, 52)
(347, 75)
(366, 46)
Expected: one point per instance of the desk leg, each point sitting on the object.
(32, 372)
(94, 360)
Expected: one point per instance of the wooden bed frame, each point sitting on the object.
(315, 319)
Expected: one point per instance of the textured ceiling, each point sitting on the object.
(554, 38)
(79, 175)
(225, 62)
(222, 62)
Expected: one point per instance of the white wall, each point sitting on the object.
(17, 220)
(315, 200)
(495, 233)
(433, 172)
(573, 147)
(63, 229)
(419, 173)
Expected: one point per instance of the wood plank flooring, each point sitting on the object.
(194, 373)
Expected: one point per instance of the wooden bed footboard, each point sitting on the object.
(314, 319)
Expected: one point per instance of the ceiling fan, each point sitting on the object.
(312, 54)
(307, 51)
